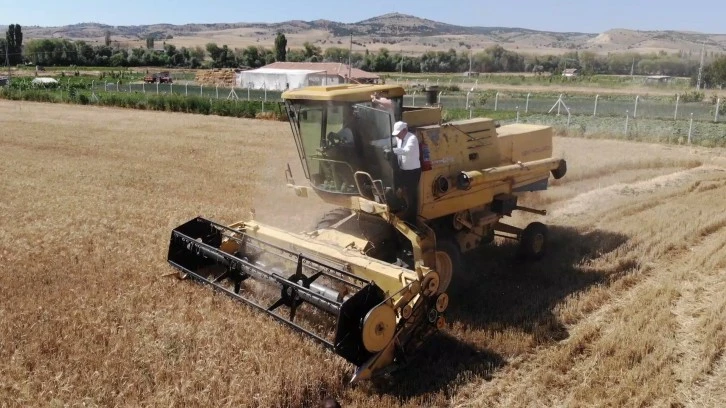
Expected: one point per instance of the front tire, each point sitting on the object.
(448, 263)
(331, 218)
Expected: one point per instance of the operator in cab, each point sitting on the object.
(407, 153)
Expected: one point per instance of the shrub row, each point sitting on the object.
(168, 103)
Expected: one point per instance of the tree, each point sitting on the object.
(14, 40)
(2, 51)
(214, 51)
(107, 38)
(714, 75)
(312, 53)
(150, 42)
(280, 47)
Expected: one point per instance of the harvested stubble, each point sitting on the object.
(626, 310)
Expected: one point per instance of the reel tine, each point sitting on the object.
(293, 309)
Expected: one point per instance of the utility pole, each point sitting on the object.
(350, 54)
(700, 68)
(632, 68)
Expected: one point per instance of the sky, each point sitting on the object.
(706, 16)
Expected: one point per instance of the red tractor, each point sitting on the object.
(161, 77)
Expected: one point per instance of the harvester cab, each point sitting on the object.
(372, 287)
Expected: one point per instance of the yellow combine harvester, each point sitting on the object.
(372, 286)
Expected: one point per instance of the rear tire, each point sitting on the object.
(533, 241)
(560, 171)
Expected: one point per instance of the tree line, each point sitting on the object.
(63, 52)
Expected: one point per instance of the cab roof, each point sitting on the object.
(343, 93)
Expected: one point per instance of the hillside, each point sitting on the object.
(399, 32)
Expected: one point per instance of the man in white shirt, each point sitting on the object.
(407, 152)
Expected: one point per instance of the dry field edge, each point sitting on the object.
(626, 310)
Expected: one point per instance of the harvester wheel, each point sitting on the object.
(533, 241)
(332, 217)
(560, 171)
(448, 262)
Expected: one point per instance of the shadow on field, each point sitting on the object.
(499, 292)
(441, 362)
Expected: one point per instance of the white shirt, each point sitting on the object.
(407, 152)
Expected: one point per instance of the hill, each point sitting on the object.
(395, 31)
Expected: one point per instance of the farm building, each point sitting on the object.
(570, 73)
(283, 75)
(660, 79)
(44, 81)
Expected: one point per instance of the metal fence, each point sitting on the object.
(592, 105)
(188, 89)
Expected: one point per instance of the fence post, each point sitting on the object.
(186, 89)
(496, 101)
(594, 112)
(201, 90)
(690, 129)
(718, 105)
(248, 92)
(171, 88)
(526, 106)
(627, 116)
(143, 87)
(517, 114)
(440, 97)
(216, 90)
(117, 84)
(413, 99)
(157, 88)
(467, 99)
(675, 115)
(635, 111)
(568, 118)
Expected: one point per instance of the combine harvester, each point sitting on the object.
(365, 283)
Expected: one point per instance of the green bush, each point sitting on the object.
(163, 102)
(692, 96)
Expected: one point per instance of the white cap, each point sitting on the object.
(398, 127)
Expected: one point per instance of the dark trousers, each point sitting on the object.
(409, 180)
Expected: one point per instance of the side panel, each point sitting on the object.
(455, 147)
(524, 142)
(477, 144)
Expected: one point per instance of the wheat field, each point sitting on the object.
(627, 309)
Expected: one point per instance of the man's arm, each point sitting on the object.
(384, 103)
(411, 143)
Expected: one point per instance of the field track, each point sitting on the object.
(627, 309)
